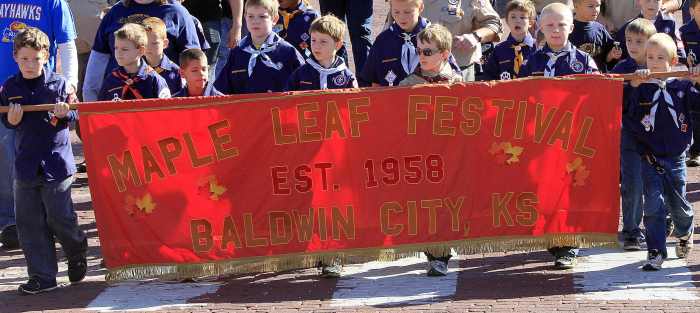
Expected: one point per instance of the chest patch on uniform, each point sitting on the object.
(577, 66)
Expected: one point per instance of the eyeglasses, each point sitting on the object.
(427, 52)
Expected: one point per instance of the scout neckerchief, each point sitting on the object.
(289, 14)
(129, 81)
(518, 50)
(268, 46)
(409, 55)
(661, 95)
(441, 77)
(550, 67)
(337, 66)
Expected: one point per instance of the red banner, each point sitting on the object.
(190, 187)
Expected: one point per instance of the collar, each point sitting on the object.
(398, 31)
(528, 40)
(338, 61)
(443, 75)
(272, 39)
(142, 73)
(205, 93)
(568, 48)
(299, 7)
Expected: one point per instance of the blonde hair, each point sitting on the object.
(329, 25)
(417, 3)
(134, 33)
(31, 37)
(641, 26)
(665, 42)
(271, 6)
(558, 8)
(522, 5)
(438, 34)
(156, 26)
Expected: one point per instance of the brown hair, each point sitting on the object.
(192, 54)
(132, 32)
(31, 37)
(438, 34)
(271, 6)
(329, 25)
(641, 26)
(155, 25)
(522, 5)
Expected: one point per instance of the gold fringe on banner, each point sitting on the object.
(307, 260)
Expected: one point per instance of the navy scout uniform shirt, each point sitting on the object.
(594, 39)
(567, 61)
(508, 57)
(145, 84)
(690, 35)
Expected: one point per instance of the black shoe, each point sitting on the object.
(9, 238)
(669, 226)
(34, 286)
(632, 244)
(81, 167)
(77, 268)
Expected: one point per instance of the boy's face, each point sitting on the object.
(556, 29)
(323, 46)
(636, 46)
(430, 57)
(518, 22)
(31, 61)
(126, 52)
(155, 45)
(658, 59)
(587, 10)
(195, 73)
(406, 14)
(649, 8)
(285, 4)
(259, 21)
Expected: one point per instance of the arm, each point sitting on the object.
(94, 75)
(64, 33)
(670, 6)
(68, 56)
(487, 22)
(234, 35)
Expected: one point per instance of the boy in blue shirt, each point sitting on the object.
(690, 35)
(592, 37)
(44, 166)
(651, 10)
(154, 56)
(195, 69)
(558, 58)
(325, 69)
(507, 57)
(637, 34)
(663, 128)
(262, 61)
(133, 79)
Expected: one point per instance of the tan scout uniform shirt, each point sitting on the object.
(448, 76)
(463, 17)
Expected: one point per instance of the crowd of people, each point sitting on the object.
(164, 48)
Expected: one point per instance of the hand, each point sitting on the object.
(60, 110)
(465, 42)
(694, 74)
(643, 76)
(614, 54)
(14, 114)
(234, 36)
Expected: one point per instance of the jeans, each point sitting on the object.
(631, 186)
(7, 173)
(662, 191)
(358, 15)
(44, 210)
(695, 148)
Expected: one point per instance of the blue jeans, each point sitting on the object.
(44, 210)
(358, 15)
(631, 186)
(7, 173)
(662, 190)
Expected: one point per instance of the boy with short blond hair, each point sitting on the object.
(434, 50)
(44, 165)
(324, 69)
(663, 128)
(195, 69)
(263, 61)
(155, 57)
(558, 58)
(508, 56)
(631, 187)
(133, 79)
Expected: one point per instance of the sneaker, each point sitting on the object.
(81, 167)
(77, 268)
(654, 261)
(9, 238)
(693, 160)
(331, 271)
(685, 244)
(34, 286)
(565, 262)
(669, 226)
(631, 244)
(437, 268)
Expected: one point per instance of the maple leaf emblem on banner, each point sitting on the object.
(141, 206)
(506, 153)
(211, 188)
(579, 170)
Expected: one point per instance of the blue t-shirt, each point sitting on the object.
(53, 17)
(180, 27)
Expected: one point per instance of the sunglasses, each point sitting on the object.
(427, 52)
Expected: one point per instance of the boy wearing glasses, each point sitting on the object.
(558, 57)
(434, 50)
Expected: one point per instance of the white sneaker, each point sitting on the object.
(437, 268)
(685, 244)
(654, 261)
